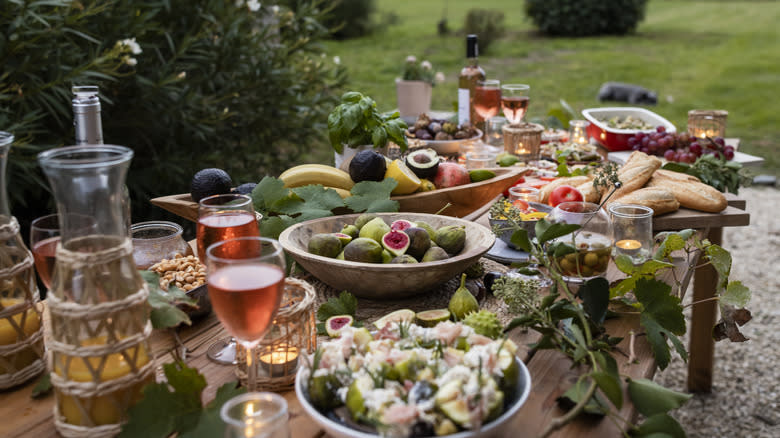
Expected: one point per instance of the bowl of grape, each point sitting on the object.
(585, 252)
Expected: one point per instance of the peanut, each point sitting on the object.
(186, 273)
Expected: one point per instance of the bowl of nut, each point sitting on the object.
(188, 274)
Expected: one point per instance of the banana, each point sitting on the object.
(343, 193)
(306, 174)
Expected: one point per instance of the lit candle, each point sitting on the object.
(281, 361)
(521, 150)
(629, 246)
(9, 335)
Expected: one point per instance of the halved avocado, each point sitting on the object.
(424, 163)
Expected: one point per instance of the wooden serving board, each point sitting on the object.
(464, 199)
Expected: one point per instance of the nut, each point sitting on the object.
(186, 273)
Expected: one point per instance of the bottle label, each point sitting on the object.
(463, 106)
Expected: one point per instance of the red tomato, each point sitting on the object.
(517, 183)
(565, 193)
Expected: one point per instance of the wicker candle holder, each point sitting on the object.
(707, 123)
(523, 140)
(294, 333)
(21, 330)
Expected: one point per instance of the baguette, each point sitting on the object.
(634, 174)
(544, 193)
(589, 193)
(689, 191)
(659, 199)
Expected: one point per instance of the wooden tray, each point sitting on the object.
(465, 199)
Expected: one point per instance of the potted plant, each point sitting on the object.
(413, 89)
(356, 124)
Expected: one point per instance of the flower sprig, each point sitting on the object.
(422, 71)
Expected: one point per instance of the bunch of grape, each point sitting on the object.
(682, 147)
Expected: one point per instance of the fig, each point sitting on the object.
(335, 324)
(401, 224)
(351, 231)
(375, 229)
(404, 258)
(434, 254)
(363, 250)
(398, 315)
(325, 244)
(430, 318)
(427, 227)
(449, 128)
(441, 135)
(364, 219)
(396, 242)
(386, 256)
(462, 302)
(451, 238)
(423, 134)
(344, 238)
(434, 127)
(419, 242)
(451, 174)
(322, 391)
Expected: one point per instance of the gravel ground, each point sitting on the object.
(745, 398)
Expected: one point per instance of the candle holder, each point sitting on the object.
(632, 231)
(578, 131)
(707, 123)
(294, 333)
(523, 140)
(256, 414)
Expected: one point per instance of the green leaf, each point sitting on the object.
(610, 386)
(657, 338)
(651, 398)
(520, 239)
(42, 387)
(595, 298)
(373, 196)
(659, 426)
(267, 192)
(721, 261)
(345, 304)
(658, 303)
(736, 294)
(210, 423)
(595, 406)
(165, 311)
(676, 167)
(555, 230)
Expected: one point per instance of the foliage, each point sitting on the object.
(165, 304)
(574, 325)
(282, 207)
(487, 24)
(576, 18)
(356, 122)
(209, 81)
(717, 172)
(176, 406)
(351, 18)
(422, 71)
(344, 304)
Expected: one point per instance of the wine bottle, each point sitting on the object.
(86, 115)
(469, 76)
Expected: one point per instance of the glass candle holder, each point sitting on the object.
(527, 194)
(157, 240)
(707, 123)
(256, 414)
(632, 231)
(480, 160)
(578, 131)
(494, 135)
(523, 140)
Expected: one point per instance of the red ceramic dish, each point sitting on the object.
(615, 139)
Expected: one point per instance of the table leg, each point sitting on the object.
(702, 347)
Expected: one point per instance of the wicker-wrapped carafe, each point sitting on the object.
(99, 354)
(21, 331)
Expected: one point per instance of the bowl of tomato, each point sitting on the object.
(504, 215)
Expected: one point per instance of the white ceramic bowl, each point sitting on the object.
(496, 428)
(444, 147)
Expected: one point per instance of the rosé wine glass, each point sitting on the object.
(45, 236)
(514, 102)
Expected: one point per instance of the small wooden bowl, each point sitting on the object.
(384, 281)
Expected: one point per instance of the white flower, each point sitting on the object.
(129, 61)
(275, 9)
(130, 45)
(411, 59)
(181, 75)
(439, 77)
(253, 5)
(426, 65)
(239, 3)
(336, 60)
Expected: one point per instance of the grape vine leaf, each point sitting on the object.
(736, 294)
(373, 196)
(609, 386)
(344, 304)
(659, 426)
(165, 311)
(670, 241)
(210, 423)
(273, 226)
(310, 202)
(651, 398)
(595, 406)
(42, 387)
(595, 298)
(267, 192)
(662, 317)
(520, 239)
(721, 261)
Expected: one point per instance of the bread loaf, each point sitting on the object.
(634, 174)
(544, 193)
(659, 199)
(589, 193)
(689, 191)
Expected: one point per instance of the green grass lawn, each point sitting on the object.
(695, 55)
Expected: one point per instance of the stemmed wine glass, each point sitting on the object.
(223, 217)
(591, 243)
(45, 235)
(514, 101)
(245, 278)
(487, 100)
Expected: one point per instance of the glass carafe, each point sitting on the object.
(21, 331)
(100, 356)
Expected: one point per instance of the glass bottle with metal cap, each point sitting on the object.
(86, 115)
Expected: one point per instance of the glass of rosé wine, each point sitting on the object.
(45, 235)
(487, 99)
(514, 101)
(223, 217)
(245, 278)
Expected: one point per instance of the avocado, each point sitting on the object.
(208, 182)
(245, 189)
(424, 163)
(367, 165)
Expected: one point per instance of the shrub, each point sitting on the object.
(487, 24)
(350, 18)
(216, 84)
(576, 18)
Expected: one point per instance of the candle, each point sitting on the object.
(629, 246)
(105, 409)
(281, 361)
(9, 335)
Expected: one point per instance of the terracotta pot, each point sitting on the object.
(414, 97)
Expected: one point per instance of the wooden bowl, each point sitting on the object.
(384, 281)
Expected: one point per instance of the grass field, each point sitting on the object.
(695, 55)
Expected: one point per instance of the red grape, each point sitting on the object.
(670, 155)
(728, 153)
(660, 128)
(720, 141)
(632, 141)
(696, 148)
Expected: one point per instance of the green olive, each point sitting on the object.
(591, 259)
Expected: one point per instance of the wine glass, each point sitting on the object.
(45, 235)
(514, 101)
(245, 278)
(223, 217)
(487, 100)
(591, 243)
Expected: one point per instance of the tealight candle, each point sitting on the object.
(577, 131)
(281, 361)
(632, 231)
(628, 246)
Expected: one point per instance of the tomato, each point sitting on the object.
(516, 183)
(565, 193)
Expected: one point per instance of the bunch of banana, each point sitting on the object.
(327, 176)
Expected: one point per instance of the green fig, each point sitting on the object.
(462, 302)
(451, 238)
(325, 244)
(375, 229)
(351, 231)
(364, 219)
(434, 254)
(427, 227)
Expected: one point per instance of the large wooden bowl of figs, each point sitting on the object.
(384, 280)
